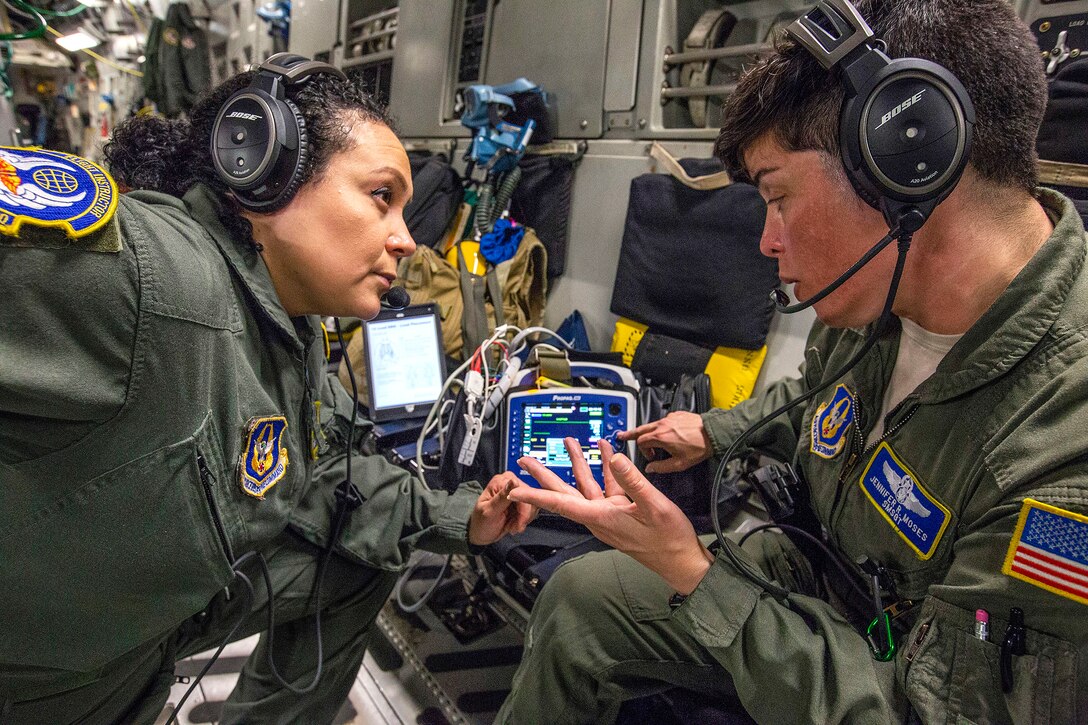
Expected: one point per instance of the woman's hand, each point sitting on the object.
(496, 515)
(647, 526)
(680, 434)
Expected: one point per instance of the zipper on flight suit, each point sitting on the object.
(309, 435)
(917, 643)
(207, 479)
(859, 444)
(891, 431)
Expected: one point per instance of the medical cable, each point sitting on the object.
(832, 556)
(226, 640)
(778, 592)
(398, 590)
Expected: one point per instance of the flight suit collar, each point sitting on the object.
(1021, 316)
(244, 260)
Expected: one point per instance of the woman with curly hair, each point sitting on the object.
(175, 462)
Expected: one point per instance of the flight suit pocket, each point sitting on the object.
(955, 677)
(113, 562)
(1042, 682)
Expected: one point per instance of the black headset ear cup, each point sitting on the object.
(302, 160)
(290, 164)
(260, 146)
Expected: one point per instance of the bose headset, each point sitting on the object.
(259, 143)
(905, 131)
(905, 126)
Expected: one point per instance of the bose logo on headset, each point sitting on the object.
(900, 108)
(263, 165)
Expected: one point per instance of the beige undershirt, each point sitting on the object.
(920, 352)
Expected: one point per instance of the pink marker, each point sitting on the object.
(982, 625)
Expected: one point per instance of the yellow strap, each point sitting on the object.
(733, 371)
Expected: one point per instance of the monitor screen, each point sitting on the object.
(545, 425)
(539, 419)
(405, 365)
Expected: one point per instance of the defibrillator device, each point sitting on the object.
(538, 420)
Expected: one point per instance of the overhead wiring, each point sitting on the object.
(27, 11)
(94, 55)
(71, 12)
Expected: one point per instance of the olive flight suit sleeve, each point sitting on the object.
(399, 512)
(778, 438)
(67, 338)
(804, 663)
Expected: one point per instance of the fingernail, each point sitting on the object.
(620, 463)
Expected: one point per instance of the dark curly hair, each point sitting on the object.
(982, 42)
(156, 154)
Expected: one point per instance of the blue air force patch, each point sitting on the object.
(53, 189)
(916, 515)
(831, 422)
(264, 457)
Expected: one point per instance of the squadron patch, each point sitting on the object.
(53, 189)
(831, 422)
(264, 457)
(915, 515)
(1050, 550)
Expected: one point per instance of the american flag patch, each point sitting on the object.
(1050, 550)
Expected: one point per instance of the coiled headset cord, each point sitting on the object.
(348, 499)
(778, 592)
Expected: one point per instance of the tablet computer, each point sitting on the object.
(405, 363)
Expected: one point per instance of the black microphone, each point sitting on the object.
(781, 299)
(397, 298)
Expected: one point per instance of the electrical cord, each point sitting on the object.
(831, 556)
(27, 11)
(226, 640)
(780, 593)
(75, 10)
(398, 590)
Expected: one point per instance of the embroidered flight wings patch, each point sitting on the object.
(831, 422)
(264, 457)
(1049, 549)
(917, 517)
(53, 189)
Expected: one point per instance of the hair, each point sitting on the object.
(172, 156)
(982, 42)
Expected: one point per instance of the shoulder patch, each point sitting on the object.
(1049, 549)
(264, 456)
(831, 422)
(54, 191)
(918, 517)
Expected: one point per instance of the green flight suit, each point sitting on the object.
(128, 381)
(1002, 419)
